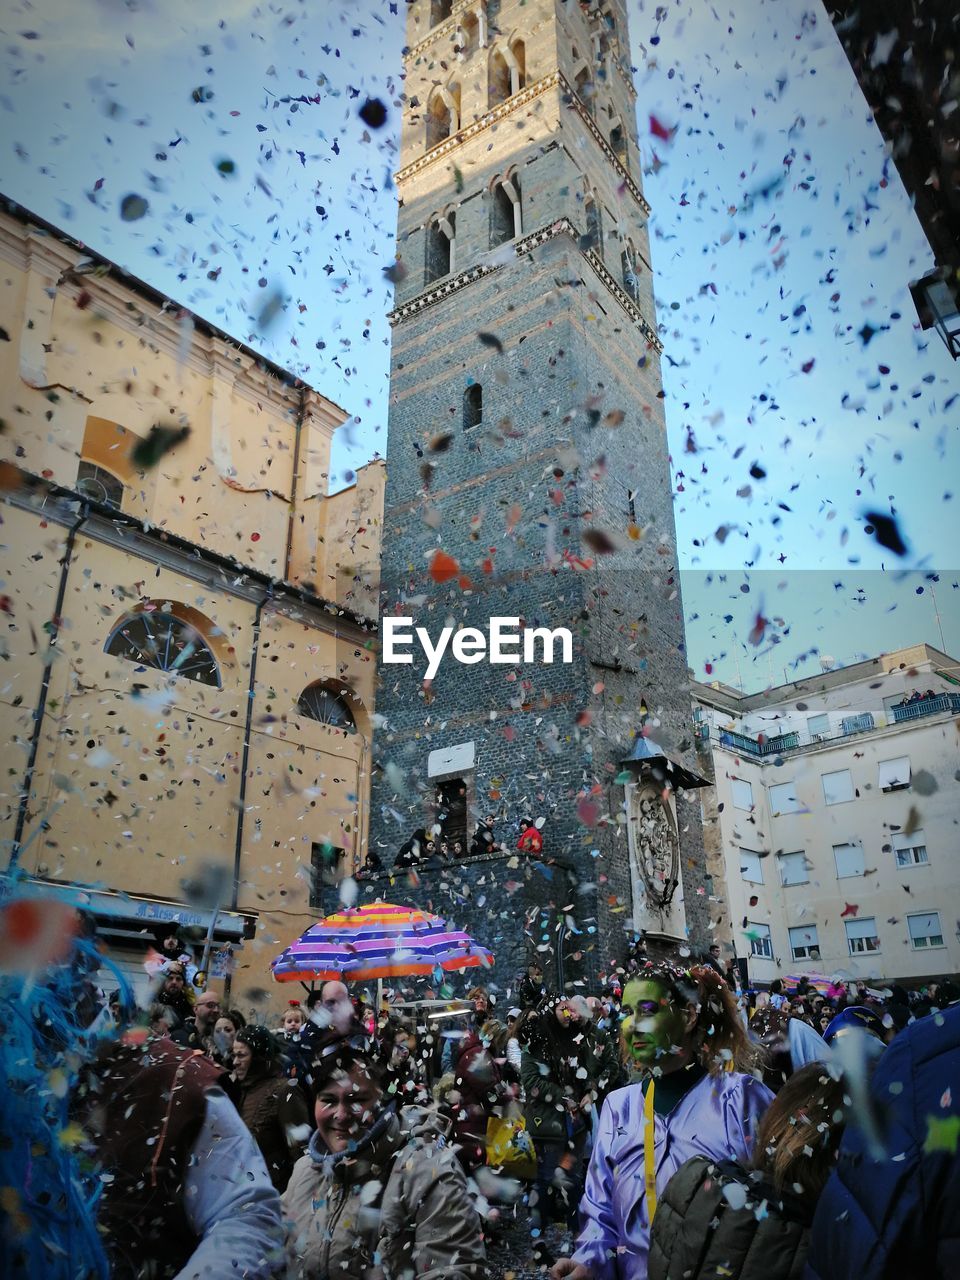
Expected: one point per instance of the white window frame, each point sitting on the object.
(801, 950)
(855, 848)
(837, 773)
(742, 782)
(916, 846)
(783, 788)
(823, 720)
(751, 866)
(782, 862)
(894, 775)
(861, 934)
(766, 937)
(924, 941)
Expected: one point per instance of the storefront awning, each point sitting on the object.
(110, 907)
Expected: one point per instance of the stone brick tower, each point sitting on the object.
(527, 449)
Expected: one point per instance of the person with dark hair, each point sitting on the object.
(173, 993)
(682, 1030)
(891, 1209)
(559, 1069)
(530, 840)
(272, 1106)
(483, 842)
(379, 1191)
(531, 988)
(413, 851)
(722, 1219)
(788, 1043)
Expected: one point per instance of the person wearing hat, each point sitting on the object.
(378, 1191)
(272, 1106)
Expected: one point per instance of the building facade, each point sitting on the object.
(834, 800)
(188, 666)
(528, 478)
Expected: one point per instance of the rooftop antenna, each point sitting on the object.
(936, 613)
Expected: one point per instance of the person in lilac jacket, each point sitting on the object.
(681, 1029)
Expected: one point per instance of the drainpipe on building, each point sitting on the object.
(244, 762)
(295, 482)
(41, 707)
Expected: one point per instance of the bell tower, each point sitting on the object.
(528, 478)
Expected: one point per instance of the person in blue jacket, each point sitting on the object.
(894, 1213)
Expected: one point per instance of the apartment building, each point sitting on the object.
(835, 817)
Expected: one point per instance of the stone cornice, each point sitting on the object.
(447, 27)
(503, 109)
(486, 121)
(583, 111)
(563, 226)
(621, 295)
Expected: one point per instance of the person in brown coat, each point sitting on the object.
(272, 1106)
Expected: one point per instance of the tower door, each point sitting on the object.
(452, 816)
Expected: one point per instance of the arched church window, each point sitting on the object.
(440, 10)
(100, 485)
(328, 705)
(161, 640)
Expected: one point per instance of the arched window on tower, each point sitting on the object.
(99, 484)
(443, 115)
(440, 10)
(618, 141)
(471, 33)
(593, 238)
(506, 222)
(582, 80)
(160, 640)
(507, 72)
(631, 273)
(472, 406)
(327, 702)
(441, 235)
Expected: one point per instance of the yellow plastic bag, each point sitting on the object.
(510, 1147)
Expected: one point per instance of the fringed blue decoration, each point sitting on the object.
(50, 1028)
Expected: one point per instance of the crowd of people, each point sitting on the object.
(670, 1126)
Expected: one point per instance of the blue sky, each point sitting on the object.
(779, 232)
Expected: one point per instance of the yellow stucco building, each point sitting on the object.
(188, 634)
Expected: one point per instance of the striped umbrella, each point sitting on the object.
(377, 941)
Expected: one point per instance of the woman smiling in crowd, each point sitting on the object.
(378, 1192)
(681, 1030)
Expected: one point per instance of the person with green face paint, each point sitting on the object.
(684, 1039)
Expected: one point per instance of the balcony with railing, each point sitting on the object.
(759, 746)
(926, 707)
(864, 722)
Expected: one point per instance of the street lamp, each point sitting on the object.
(937, 299)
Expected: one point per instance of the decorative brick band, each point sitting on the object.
(563, 226)
(486, 121)
(504, 109)
(441, 29)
